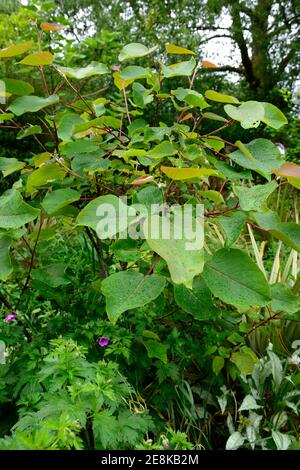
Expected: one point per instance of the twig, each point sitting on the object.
(126, 104)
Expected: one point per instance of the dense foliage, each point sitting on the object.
(132, 342)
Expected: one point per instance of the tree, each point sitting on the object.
(264, 32)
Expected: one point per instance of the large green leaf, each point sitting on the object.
(44, 175)
(90, 162)
(249, 113)
(266, 157)
(190, 97)
(6, 117)
(130, 289)
(196, 301)
(283, 299)
(28, 131)
(273, 117)
(14, 212)
(134, 49)
(164, 149)
(16, 49)
(172, 49)
(288, 232)
(38, 58)
(232, 224)
(66, 124)
(187, 173)
(10, 165)
(157, 350)
(94, 68)
(233, 277)
(107, 215)
(17, 87)
(245, 360)
(5, 260)
(53, 275)
(255, 197)
(58, 199)
(220, 97)
(31, 104)
(180, 69)
(184, 262)
(133, 72)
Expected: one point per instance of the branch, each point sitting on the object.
(225, 68)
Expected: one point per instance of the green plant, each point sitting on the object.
(179, 320)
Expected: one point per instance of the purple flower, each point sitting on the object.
(103, 341)
(10, 317)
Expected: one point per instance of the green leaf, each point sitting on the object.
(249, 113)
(230, 172)
(212, 195)
(288, 232)
(113, 216)
(164, 149)
(6, 117)
(220, 97)
(105, 429)
(133, 72)
(58, 199)
(28, 131)
(149, 196)
(141, 96)
(156, 350)
(214, 117)
(5, 260)
(190, 97)
(137, 290)
(14, 212)
(126, 250)
(17, 87)
(232, 225)
(233, 277)
(38, 58)
(180, 69)
(16, 49)
(266, 154)
(196, 301)
(255, 197)
(53, 275)
(94, 68)
(172, 49)
(71, 149)
(283, 299)
(91, 162)
(66, 124)
(249, 403)
(10, 165)
(218, 364)
(184, 262)
(31, 104)
(44, 175)
(273, 117)
(135, 49)
(245, 360)
(187, 173)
